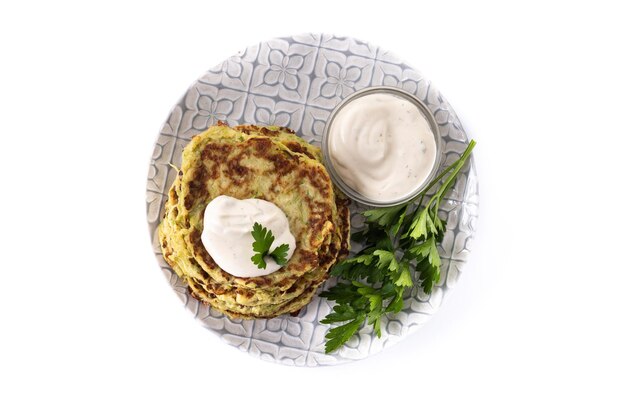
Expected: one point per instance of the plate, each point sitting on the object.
(296, 82)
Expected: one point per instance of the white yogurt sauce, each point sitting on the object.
(227, 234)
(382, 146)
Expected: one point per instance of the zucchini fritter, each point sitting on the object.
(269, 163)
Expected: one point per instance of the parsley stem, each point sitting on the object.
(435, 181)
(456, 166)
(452, 177)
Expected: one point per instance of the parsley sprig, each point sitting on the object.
(396, 240)
(263, 239)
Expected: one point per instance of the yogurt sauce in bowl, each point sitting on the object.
(381, 146)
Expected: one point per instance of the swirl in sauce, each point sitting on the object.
(382, 146)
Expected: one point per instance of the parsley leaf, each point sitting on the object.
(259, 261)
(280, 254)
(263, 239)
(340, 335)
(396, 240)
(402, 277)
(384, 216)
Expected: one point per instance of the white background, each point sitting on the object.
(89, 326)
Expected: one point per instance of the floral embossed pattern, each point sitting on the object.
(296, 82)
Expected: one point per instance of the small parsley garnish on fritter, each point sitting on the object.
(396, 240)
(263, 240)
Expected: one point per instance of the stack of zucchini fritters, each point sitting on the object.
(269, 163)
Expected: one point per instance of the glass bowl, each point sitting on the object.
(351, 192)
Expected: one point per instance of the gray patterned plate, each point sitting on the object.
(296, 82)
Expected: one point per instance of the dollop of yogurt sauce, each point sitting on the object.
(227, 234)
(382, 146)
